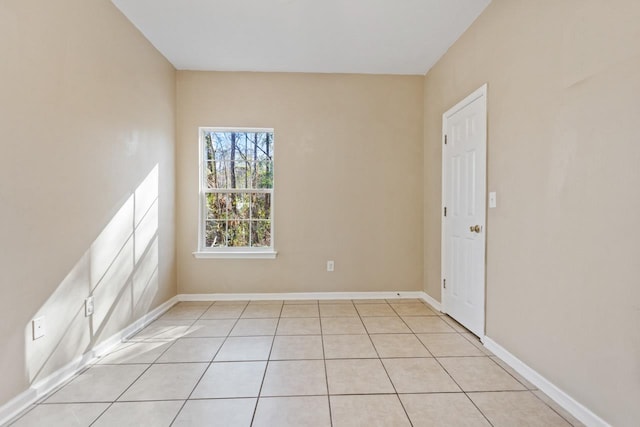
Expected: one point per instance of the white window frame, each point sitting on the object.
(228, 252)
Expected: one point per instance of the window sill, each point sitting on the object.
(236, 255)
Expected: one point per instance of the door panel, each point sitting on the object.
(464, 194)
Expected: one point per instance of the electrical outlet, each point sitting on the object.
(38, 328)
(330, 265)
(88, 306)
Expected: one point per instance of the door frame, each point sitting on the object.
(475, 95)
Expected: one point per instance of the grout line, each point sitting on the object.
(199, 362)
(456, 382)
(425, 347)
(101, 413)
(386, 371)
(510, 374)
(445, 370)
(123, 392)
(142, 373)
(81, 402)
(326, 375)
(448, 373)
(266, 368)
(478, 408)
(551, 407)
(210, 363)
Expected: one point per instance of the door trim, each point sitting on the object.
(481, 92)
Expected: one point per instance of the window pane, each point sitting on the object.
(260, 233)
(214, 178)
(221, 149)
(264, 175)
(218, 174)
(260, 206)
(238, 233)
(264, 149)
(215, 234)
(227, 147)
(224, 176)
(244, 146)
(237, 160)
(217, 206)
(208, 146)
(242, 175)
(253, 141)
(239, 205)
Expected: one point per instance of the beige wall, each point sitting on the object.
(348, 153)
(87, 119)
(87, 183)
(563, 153)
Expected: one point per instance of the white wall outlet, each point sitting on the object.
(38, 327)
(492, 199)
(330, 265)
(88, 306)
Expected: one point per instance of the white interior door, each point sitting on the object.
(464, 162)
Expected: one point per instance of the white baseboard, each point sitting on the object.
(301, 296)
(40, 388)
(574, 407)
(107, 345)
(431, 301)
(16, 405)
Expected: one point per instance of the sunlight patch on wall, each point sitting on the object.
(120, 270)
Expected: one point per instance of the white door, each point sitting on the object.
(464, 159)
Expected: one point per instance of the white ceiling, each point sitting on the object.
(324, 36)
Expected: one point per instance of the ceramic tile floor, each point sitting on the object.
(299, 363)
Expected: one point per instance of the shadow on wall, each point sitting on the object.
(120, 270)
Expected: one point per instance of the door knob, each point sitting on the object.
(475, 228)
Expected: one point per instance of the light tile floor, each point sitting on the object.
(299, 363)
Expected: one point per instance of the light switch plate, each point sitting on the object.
(492, 199)
(38, 327)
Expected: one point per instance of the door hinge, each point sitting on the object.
(444, 283)
(445, 140)
(445, 211)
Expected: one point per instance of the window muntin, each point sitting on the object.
(236, 190)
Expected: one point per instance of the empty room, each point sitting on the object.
(319, 213)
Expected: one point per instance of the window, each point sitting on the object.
(236, 193)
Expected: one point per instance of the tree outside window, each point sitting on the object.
(236, 189)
